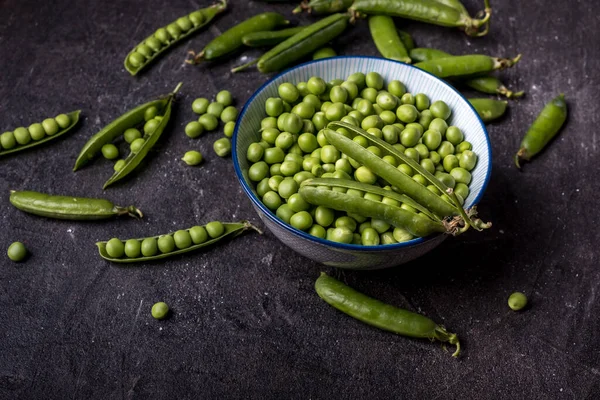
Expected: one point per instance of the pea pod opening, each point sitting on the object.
(69, 207)
(380, 315)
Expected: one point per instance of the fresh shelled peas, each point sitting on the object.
(365, 157)
(17, 252)
(24, 138)
(151, 117)
(171, 244)
(210, 113)
(192, 158)
(164, 38)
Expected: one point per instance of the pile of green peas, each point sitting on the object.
(293, 149)
(210, 113)
(38, 131)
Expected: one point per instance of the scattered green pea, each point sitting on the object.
(192, 157)
(160, 310)
(17, 251)
(222, 147)
(200, 105)
(517, 301)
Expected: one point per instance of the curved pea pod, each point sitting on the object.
(386, 38)
(380, 315)
(302, 44)
(135, 158)
(269, 38)
(231, 230)
(489, 109)
(136, 61)
(68, 207)
(428, 11)
(231, 39)
(465, 66)
(73, 118)
(543, 129)
(321, 7)
(407, 40)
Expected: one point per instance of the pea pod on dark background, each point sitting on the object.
(466, 65)
(381, 315)
(386, 38)
(320, 7)
(544, 128)
(231, 39)
(159, 42)
(269, 38)
(68, 207)
(489, 109)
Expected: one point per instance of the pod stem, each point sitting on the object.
(132, 211)
(503, 90)
(302, 7)
(520, 156)
(248, 225)
(244, 66)
(197, 58)
(501, 63)
(481, 19)
(441, 334)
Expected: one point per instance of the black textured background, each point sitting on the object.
(246, 322)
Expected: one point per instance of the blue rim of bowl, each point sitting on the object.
(343, 246)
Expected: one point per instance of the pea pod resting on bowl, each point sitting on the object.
(68, 207)
(153, 128)
(164, 38)
(381, 315)
(321, 7)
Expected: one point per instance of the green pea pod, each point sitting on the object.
(231, 39)
(467, 65)
(153, 46)
(135, 158)
(269, 38)
(456, 4)
(321, 7)
(68, 207)
(419, 54)
(543, 129)
(407, 40)
(14, 147)
(489, 109)
(380, 315)
(428, 11)
(386, 38)
(231, 230)
(301, 44)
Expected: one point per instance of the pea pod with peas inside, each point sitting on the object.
(69, 207)
(164, 38)
(25, 138)
(154, 116)
(386, 38)
(301, 44)
(381, 315)
(489, 109)
(231, 39)
(428, 11)
(544, 128)
(320, 7)
(171, 244)
(466, 65)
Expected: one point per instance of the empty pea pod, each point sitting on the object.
(49, 129)
(381, 315)
(489, 109)
(269, 38)
(386, 38)
(544, 128)
(164, 38)
(467, 65)
(428, 11)
(68, 207)
(231, 39)
(320, 7)
(201, 236)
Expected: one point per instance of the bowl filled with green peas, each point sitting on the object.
(362, 162)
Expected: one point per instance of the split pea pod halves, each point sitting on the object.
(231, 39)
(68, 207)
(269, 38)
(489, 109)
(465, 66)
(543, 129)
(320, 7)
(386, 38)
(164, 38)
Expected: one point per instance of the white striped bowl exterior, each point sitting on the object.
(416, 81)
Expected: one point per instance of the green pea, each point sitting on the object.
(133, 248)
(405, 168)
(268, 122)
(365, 175)
(421, 101)
(145, 50)
(387, 238)
(288, 92)
(153, 43)
(313, 101)
(110, 151)
(450, 162)
(428, 165)
(372, 121)
(346, 222)
(386, 100)
(317, 231)
(309, 162)
(160, 310)
(184, 23)
(374, 80)
(7, 140)
(375, 150)
(463, 146)
(335, 112)
(329, 154)
(162, 35)
(274, 106)
(361, 140)
(365, 107)
(358, 78)
(37, 131)
(341, 235)
(351, 88)
(319, 120)
(412, 153)
(292, 123)
(215, 229)
(274, 182)
(402, 235)
(304, 110)
(396, 88)
(288, 187)
(409, 137)
(150, 126)
(297, 203)
(425, 119)
(447, 179)
(316, 85)
(63, 120)
(390, 160)
(149, 247)
(378, 110)
(290, 168)
(302, 88)
(369, 94)
(192, 157)
(467, 160)
(308, 142)
(194, 129)
(445, 149)
(435, 157)
(222, 147)
(198, 234)
(301, 220)
(369, 237)
(197, 17)
(182, 239)
(422, 150)
(324, 216)
(275, 169)
(225, 98)
(388, 117)
(258, 171)
(209, 122)
(263, 187)
(174, 30)
(399, 147)
(420, 178)
(17, 251)
(302, 176)
(272, 200)
(215, 109)
(407, 98)
(131, 134)
(434, 189)
(335, 82)
(284, 212)
(119, 165)
(338, 94)
(439, 125)
(229, 114)
(136, 145)
(461, 175)
(22, 136)
(273, 155)
(344, 165)
(115, 248)
(462, 190)
(517, 301)
(136, 59)
(439, 109)
(255, 152)
(407, 113)
(200, 105)
(270, 135)
(294, 157)
(432, 139)
(379, 225)
(454, 135)
(166, 244)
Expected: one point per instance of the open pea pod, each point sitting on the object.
(230, 230)
(164, 38)
(73, 118)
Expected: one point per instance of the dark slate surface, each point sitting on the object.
(246, 322)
